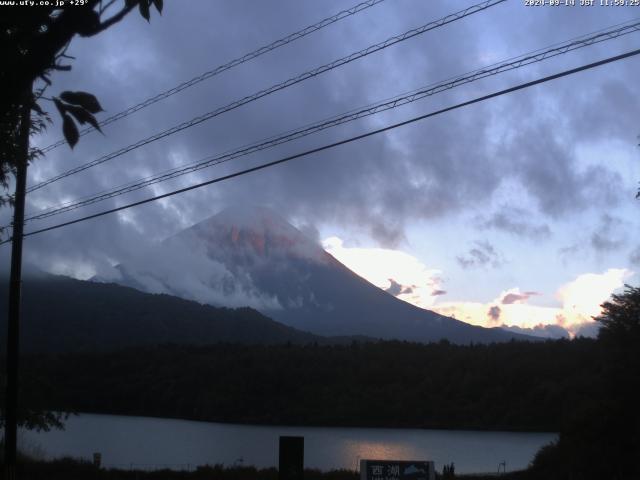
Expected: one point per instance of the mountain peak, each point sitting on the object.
(253, 254)
(255, 230)
(250, 216)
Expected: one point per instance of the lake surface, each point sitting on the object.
(152, 443)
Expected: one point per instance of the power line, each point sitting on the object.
(227, 66)
(277, 87)
(535, 56)
(341, 142)
(394, 102)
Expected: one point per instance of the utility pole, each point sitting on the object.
(15, 285)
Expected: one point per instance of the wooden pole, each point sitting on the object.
(15, 285)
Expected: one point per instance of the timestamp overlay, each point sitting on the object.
(44, 3)
(581, 3)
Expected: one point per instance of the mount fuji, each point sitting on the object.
(253, 257)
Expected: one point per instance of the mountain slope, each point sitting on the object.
(60, 314)
(255, 256)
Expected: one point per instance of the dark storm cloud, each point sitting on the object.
(408, 289)
(610, 234)
(587, 329)
(396, 288)
(548, 169)
(510, 298)
(607, 236)
(311, 232)
(432, 169)
(516, 221)
(481, 256)
(436, 293)
(543, 331)
(569, 252)
(494, 314)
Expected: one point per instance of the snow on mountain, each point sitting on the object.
(251, 256)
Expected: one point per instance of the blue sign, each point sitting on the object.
(396, 470)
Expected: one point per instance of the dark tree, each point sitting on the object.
(620, 340)
(620, 320)
(602, 440)
(33, 43)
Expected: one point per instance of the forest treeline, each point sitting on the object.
(510, 386)
(61, 314)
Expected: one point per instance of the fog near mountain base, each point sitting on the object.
(588, 329)
(183, 269)
(544, 331)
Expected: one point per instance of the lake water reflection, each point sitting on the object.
(145, 442)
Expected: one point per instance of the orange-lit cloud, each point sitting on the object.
(579, 301)
(409, 279)
(399, 273)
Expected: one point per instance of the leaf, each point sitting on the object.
(62, 108)
(37, 108)
(83, 116)
(144, 9)
(85, 100)
(79, 113)
(159, 4)
(70, 130)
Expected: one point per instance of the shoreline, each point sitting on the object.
(311, 424)
(70, 468)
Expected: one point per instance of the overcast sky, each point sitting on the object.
(516, 211)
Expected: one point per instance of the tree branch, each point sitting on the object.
(111, 21)
(106, 7)
(62, 53)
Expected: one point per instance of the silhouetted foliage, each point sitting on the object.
(72, 469)
(33, 43)
(602, 440)
(510, 386)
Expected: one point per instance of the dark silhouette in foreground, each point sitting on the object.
(510, 386)
(601, 439)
